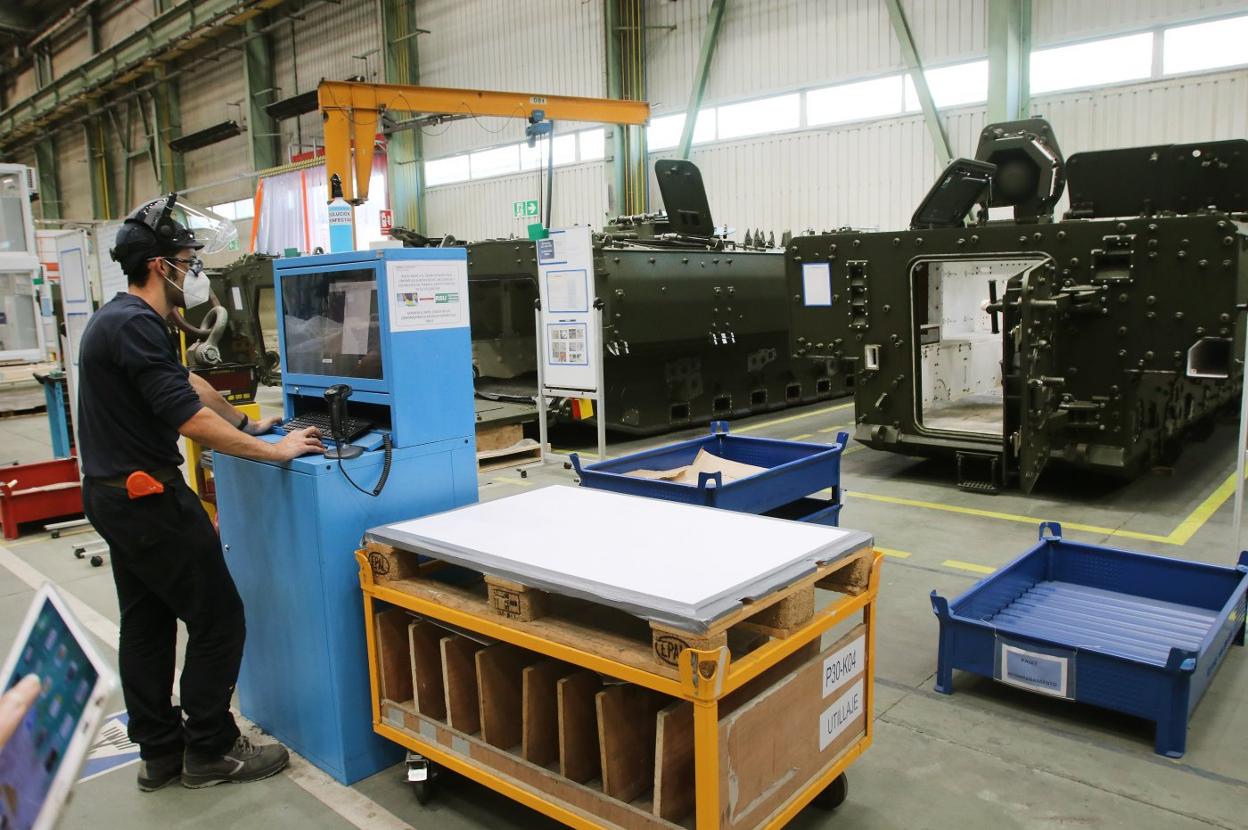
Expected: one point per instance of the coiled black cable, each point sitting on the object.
(385, 469)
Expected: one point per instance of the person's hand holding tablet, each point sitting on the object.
(15, 703)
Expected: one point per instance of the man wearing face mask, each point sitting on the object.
(135, 399)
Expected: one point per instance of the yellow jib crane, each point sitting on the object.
(352, 111)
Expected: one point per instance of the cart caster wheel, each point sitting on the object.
(834, 794)
(424, 791)
(97, 561)
(56, 534)
(79, 553)
(524, 474)
(423, 775)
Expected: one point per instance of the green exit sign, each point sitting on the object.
(524, 208)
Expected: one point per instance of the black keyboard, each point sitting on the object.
(351, 428)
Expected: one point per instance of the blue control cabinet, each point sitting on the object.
(290, 531)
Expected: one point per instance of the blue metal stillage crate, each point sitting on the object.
(795, 471)
(1132, 632)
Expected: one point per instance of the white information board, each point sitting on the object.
(427, 294)
(565, 267)
(112, 278)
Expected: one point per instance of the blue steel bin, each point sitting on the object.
(795, 471)
(1132, 632)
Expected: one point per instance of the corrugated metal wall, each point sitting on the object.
(554, 47)
(333, 41)
(773, 45)
(1056, 20)
(213, 93)
(72, 174)
(867, 174)
(482, 209)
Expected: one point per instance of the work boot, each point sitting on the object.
(243, 762)
(155, 773)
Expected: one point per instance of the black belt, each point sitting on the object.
(165, 475)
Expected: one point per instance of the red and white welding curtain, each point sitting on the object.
(291, 211)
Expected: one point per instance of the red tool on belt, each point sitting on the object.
(140, 484)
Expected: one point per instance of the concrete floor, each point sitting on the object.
(987, 757)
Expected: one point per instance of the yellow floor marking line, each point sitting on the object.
(1181, 535)
(895, 554)
(1005, 517)
(777, 421)
(968, 566)
(518, 482)
(836, 428)
(802, 437)
(1203, 512)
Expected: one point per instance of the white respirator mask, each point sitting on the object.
(195, 287)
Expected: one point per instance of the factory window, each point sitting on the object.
(952, 86)
(854, 102)
(534, 157)
(242, 209)
(763, 115)
(447, 171)
(1108, 61)
(496, 162)
(593, 144)
(1202, 46)
(664, 133)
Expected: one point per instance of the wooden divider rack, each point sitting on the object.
(602, 720)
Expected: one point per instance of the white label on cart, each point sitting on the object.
(838, 668)
(1044, 673)
(837, 717)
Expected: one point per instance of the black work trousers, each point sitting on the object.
(168, 566)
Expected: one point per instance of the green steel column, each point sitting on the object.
(709, 38)
(910, 51)
(167, 102)
(266, 145)
(103, 194)
(618, 167)
(49, 185)
(405, 173)
(1009, 54)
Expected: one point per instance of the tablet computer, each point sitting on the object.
(41, 760)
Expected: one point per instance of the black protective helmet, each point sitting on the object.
(164, 226)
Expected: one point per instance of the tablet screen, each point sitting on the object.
(30, 760)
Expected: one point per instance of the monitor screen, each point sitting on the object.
(332, 323)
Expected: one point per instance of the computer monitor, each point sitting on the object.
(332, 324)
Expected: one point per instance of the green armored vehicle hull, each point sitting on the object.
(695, 328)
(1102, 341)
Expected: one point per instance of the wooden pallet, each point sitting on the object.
(607, 631)
(504, 445)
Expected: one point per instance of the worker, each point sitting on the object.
(135, 398)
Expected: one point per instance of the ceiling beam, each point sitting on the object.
(183, 29)
(910, 51)
(710, 36)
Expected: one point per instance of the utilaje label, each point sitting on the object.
(1045, 673)
(838, 717)
(841, 666)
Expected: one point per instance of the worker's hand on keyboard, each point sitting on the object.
(300, 442)
(263, 425)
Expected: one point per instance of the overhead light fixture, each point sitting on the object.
(294, 105)
(206, 136)
(300, 104)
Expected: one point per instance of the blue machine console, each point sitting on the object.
(393, 325)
